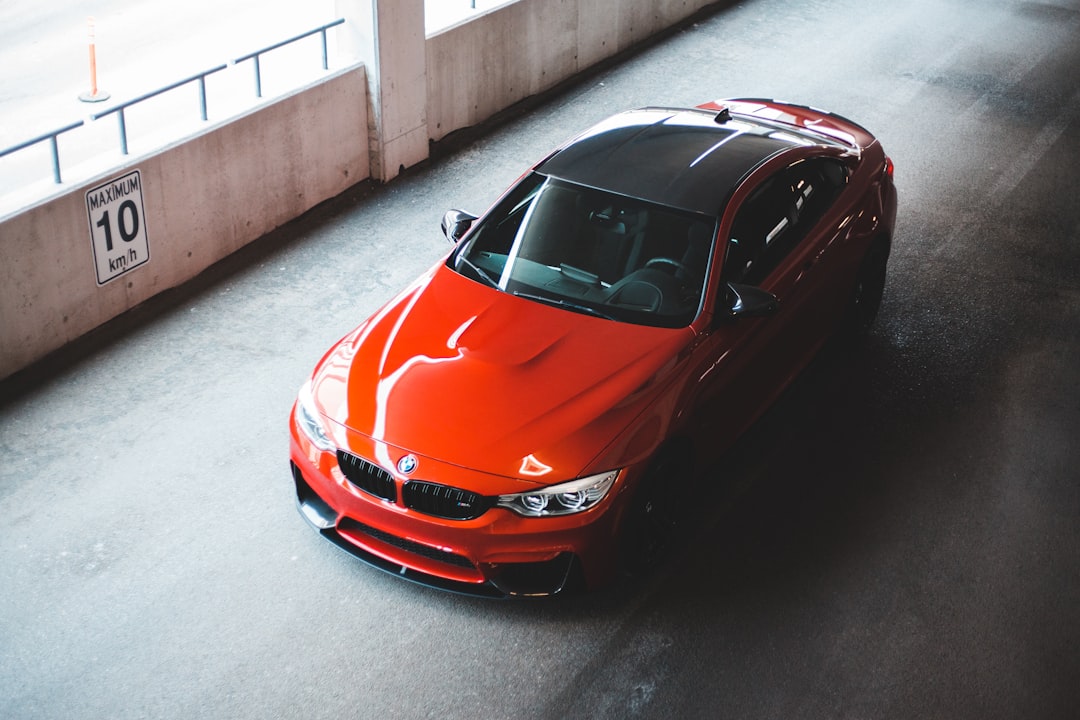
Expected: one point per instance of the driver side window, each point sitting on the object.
(778, 216)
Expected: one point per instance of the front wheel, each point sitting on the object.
(656, 514)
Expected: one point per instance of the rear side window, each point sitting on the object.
(779, 215)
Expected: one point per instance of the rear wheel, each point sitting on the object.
(869, 287)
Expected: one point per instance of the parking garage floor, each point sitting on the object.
(899, 537)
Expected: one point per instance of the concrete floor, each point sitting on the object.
(898, 538)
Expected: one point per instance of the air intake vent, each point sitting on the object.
(442, 501)
(352, 527)
(368, 477)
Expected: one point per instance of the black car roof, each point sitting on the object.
(683, 158)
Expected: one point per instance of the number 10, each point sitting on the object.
(128, 218)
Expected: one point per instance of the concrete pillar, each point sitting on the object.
(388, 37)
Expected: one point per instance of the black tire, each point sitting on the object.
(656, 514)
(869, 287)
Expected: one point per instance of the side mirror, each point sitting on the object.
(455, 224)
(748, 301)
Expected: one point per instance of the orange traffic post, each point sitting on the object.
(94, 95)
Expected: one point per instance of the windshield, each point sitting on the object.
(591, 251)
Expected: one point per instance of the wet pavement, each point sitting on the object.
(897, 538)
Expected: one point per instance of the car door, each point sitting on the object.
(799, 263)
(781, 241)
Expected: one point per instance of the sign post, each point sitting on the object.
(117, 226)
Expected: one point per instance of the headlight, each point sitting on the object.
(307, 419)
(562, 499)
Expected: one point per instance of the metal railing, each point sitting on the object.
(119, 109)
(51, 137)
(255, 55)
(200, 78)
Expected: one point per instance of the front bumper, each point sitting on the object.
(515, 579)
(498, 554)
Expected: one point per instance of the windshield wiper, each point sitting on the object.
(564, 304)
(479, 271)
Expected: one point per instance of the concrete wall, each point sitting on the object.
(484, 65)
(203, 198)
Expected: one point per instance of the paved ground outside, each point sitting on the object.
(139, 48)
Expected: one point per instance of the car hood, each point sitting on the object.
(470, 376)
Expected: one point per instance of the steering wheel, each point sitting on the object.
(668, 261)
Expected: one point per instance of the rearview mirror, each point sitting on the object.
(455, 224)
(749, 301)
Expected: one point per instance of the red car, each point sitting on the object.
(527, 415)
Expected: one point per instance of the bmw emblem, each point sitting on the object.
(407, 464)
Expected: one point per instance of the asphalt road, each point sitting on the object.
(897, 538)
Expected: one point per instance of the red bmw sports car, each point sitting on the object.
(526, 416)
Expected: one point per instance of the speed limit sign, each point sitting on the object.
(117, 226)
